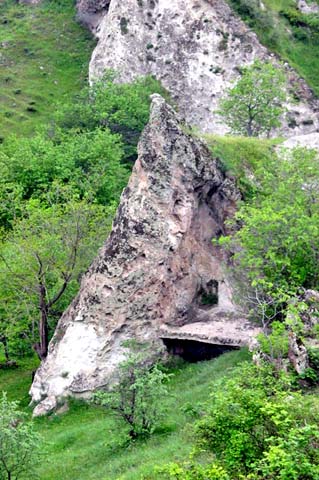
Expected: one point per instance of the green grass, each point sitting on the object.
(243, 156)
(87, 443)
(299, 45)
(44, 55)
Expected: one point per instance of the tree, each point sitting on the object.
(254, 105)
(276, 249)
(19, 443)
(138, 398)
(123, 108)
(41, 262)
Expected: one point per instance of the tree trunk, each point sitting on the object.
(41, 347)
(3, 340)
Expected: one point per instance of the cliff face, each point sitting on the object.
(149, 278)
(195, 48)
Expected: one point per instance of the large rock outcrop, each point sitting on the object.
(195, 48)
(155, 272)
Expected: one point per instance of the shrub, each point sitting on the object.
(19, 443)
(138, 398)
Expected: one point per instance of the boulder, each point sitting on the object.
(157, 272)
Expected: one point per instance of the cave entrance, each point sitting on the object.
(193, 350)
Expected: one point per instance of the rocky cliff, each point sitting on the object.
(195, 48)
(154, 274)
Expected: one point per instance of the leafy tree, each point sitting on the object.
(138, 398)
(41, 262)
(276, 249)
(19, 443)
(88, 163)
(254, 105)
(121, 107)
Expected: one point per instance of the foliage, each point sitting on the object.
(293, 36)
(41, 262)
(256, 426)
(254, 105)
(192, 471)
(276, 248)
(86, 165)
(139, 396)
(275, 344)
(123, 108)
(19, 443)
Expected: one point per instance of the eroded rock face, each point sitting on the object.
(308, 7)
(154, 269)
(91, 13)
(195, 48)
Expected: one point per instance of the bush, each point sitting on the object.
(19, 443)
(138, 399)
(123, 108)
(255, 427)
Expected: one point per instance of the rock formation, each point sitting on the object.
(157, 272)
(195, 48)
(91, 13)
(308, 7)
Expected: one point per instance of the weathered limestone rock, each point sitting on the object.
(195, 48)
(91, 12)
(308, 7)
(154, 269)
(309, 141)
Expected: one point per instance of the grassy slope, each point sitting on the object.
(301, 53)
(44, 56)
(86, 444)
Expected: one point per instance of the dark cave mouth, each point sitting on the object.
(195, 351)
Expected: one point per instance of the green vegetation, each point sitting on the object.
(19, 443)
(286, 31)
(44, 59)
(88, 442)
(139, 396)
(277, 244)
(256, 426)
(58, 193)
(254, 105)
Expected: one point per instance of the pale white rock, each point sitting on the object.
(196, 48)
(308, 7)
(152, 272)
(309, 141)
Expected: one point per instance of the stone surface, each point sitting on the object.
(196, 49)
(91, 13)
(156, 267)
(308, 141)
(308, 7)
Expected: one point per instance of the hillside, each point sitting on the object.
(44, 55)
(86, 443)
(287, 31)
(159, 240)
